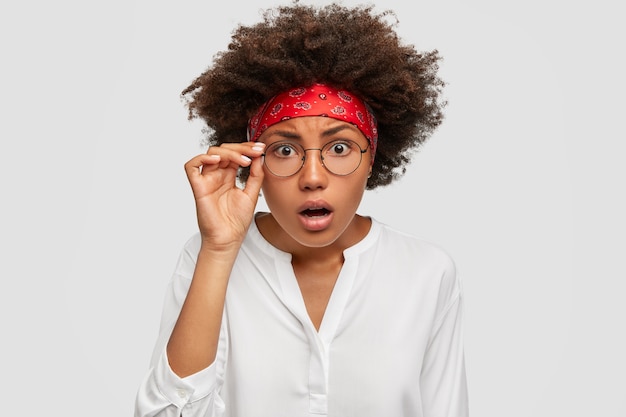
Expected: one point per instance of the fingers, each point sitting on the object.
(255, 179)
(226, 156)
(240, 153)
(197, 164)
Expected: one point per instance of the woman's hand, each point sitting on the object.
(224, 210)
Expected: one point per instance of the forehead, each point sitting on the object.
(316, 126)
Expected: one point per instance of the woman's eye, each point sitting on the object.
(339, 148)
(284, 150)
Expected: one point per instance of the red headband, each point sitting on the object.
(316, 100)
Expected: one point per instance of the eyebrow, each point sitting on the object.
(287, 134)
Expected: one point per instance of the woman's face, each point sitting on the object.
(315, 207)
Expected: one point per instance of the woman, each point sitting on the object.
(310, 309)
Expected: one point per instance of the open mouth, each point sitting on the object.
(318, 212)
(315, 216)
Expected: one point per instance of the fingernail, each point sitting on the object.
(258, 147)
(245, 158)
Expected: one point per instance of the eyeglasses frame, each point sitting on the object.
(362, 151)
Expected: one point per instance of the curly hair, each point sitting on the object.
(348, 48)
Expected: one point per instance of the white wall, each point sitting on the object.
(523, 184)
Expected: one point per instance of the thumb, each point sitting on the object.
(255, 179)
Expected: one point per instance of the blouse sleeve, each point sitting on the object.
(162, 393)
(443, 378)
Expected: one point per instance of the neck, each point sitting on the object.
(302, 254)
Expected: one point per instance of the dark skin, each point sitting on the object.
(295, 45)
(317, 256)
(316, 276)
(316, 282)
(299, 45)
(224, 211)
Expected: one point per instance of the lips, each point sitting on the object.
(315, 215)
(315, 208)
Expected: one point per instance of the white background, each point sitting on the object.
(523, 184)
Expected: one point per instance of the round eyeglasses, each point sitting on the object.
(339, 157)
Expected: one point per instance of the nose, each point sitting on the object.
(313, 175)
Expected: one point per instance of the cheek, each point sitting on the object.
(349, 193)
(348, 190)
(274, 195)
(356, 195)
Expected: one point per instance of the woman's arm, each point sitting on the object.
(181, 378)
(224, 214)
(193, 343)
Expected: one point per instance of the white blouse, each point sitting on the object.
(390, 342)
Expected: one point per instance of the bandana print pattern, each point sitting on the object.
(316, 100)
